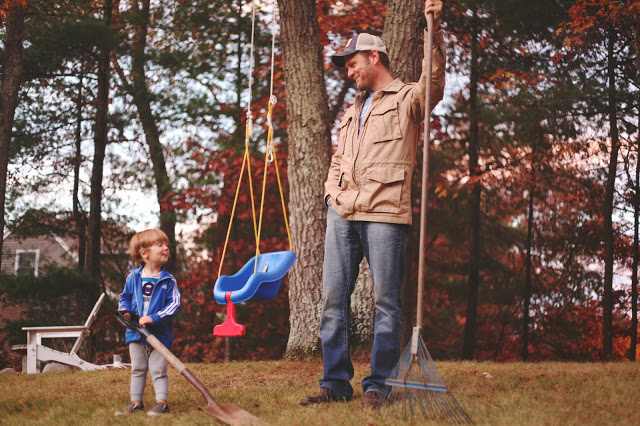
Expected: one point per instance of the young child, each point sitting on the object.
(153, 293)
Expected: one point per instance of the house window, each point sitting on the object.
(27, 262)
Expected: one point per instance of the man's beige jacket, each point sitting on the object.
(370, 173)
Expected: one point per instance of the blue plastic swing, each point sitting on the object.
(247, 286)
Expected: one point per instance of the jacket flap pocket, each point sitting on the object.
(387, 175)
(385, 108)
(385, 124)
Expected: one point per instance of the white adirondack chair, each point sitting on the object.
(37, 352)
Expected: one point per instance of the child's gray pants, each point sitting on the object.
(143, 358)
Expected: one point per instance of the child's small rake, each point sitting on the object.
(415, 383)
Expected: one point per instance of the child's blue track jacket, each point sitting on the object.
(165, 303)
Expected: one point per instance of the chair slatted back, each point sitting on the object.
(87, 324)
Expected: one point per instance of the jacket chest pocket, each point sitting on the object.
(385, 123)
(383, 189)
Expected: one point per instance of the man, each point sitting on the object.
(368, 192)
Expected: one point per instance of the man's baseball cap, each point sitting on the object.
(358, 43)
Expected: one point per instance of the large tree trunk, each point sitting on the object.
(607, 299)
(142, 101)
(92, 263)
(308, 161)
(404, 37)
(471, 326)
(9, 90)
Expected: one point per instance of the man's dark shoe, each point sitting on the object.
(325, 395)
(371, 399)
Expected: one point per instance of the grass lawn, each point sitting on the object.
(497, 394)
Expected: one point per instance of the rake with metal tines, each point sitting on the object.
(415, 384)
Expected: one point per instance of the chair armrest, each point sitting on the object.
(57, 331)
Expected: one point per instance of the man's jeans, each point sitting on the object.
(346, 242)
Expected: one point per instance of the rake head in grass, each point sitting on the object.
(416, 386)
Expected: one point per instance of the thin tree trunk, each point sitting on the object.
(237, 139)
(308, 160)
(77, 214)
(470, 327)
(636, 224)
(636, 255)
(255, 83)
(607, 300)
(526, 297)
(11, 79)
(498, 348)
(142, 101)
(404, 37)
(92, 263)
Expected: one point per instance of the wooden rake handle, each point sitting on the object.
(425, 175)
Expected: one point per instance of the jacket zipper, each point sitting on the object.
(360, 137)
(139, 283)
(154, 289)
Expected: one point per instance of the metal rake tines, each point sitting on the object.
(415, 385)
(436, 405)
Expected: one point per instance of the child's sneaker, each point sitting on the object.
(130, 409)
(158, 409)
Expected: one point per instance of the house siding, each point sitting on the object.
(51, 252)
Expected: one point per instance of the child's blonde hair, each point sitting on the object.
(143, 241)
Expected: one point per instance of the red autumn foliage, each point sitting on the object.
(5, 5)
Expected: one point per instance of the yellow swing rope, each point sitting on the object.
(272, 152)
(270, 156)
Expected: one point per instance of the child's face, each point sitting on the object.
(157, 254)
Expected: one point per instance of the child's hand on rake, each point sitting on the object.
(142, 321)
